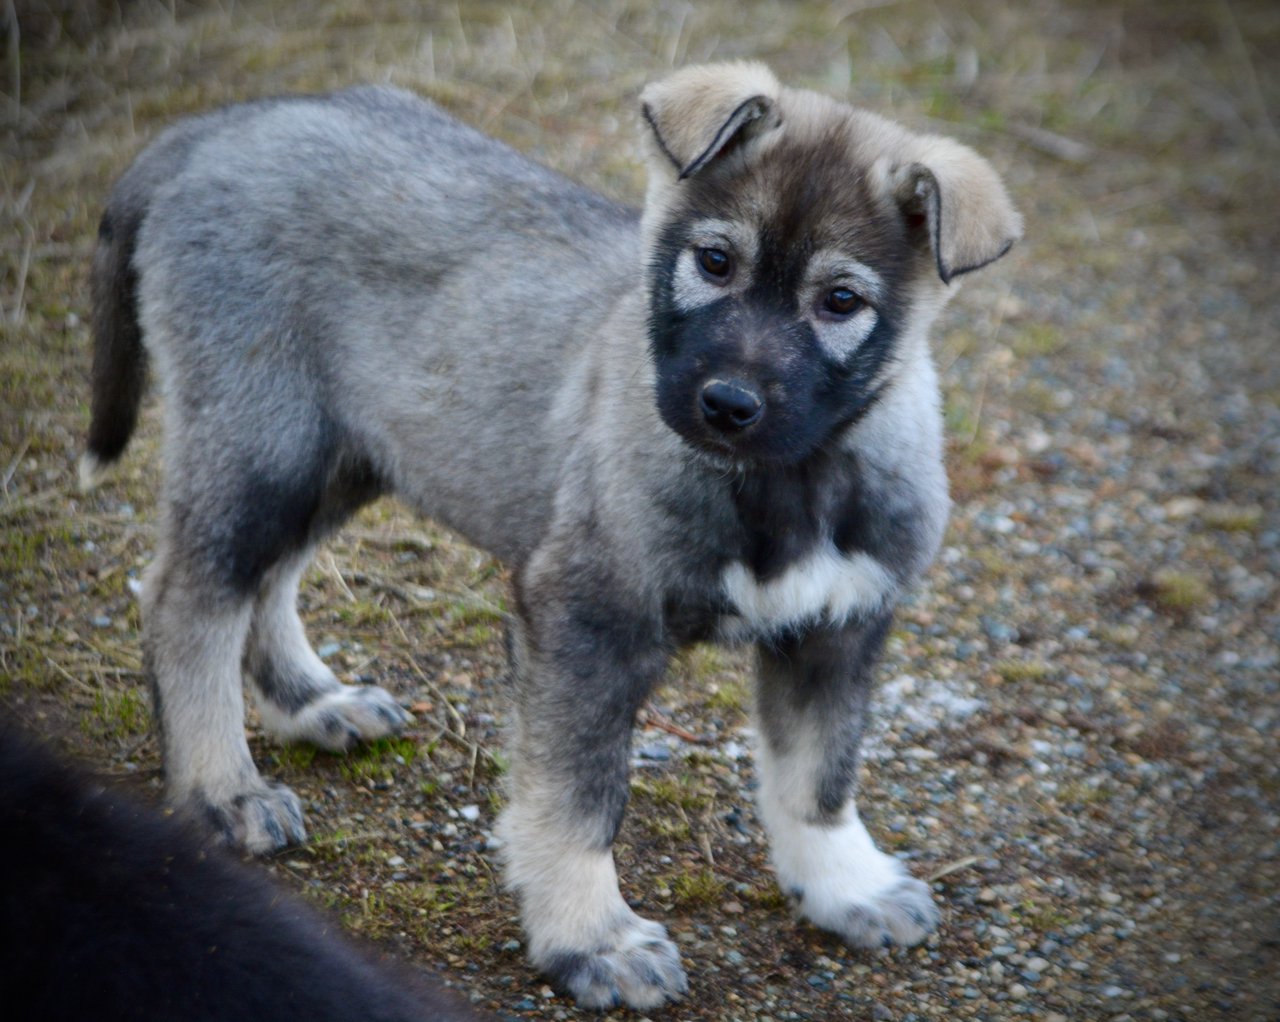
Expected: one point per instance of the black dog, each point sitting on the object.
(112, 911)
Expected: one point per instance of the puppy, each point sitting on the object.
(113, 911)
(717, 417)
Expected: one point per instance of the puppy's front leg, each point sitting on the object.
(812, 698)
(583, 665)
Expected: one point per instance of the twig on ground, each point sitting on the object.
(79, 683)
(13, 465)
(20, 289)
(704, 846)
(952, 867)
(652, 718)
(459, 733)
(331, 566)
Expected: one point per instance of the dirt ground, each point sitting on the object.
(1076, 730)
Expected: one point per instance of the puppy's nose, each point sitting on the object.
(729, 407)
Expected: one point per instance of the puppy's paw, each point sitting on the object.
(639, 966)
(262, 819)
(340, 718)
(875, 906)
(902, 913)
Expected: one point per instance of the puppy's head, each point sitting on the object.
(798, 249)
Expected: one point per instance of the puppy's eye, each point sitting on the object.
(715, 264)
(843, 302)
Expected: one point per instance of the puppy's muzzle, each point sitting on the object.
(730, 407)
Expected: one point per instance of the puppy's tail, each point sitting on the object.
(119, 359)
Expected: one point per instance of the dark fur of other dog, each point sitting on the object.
(715, 418)
(111, 910)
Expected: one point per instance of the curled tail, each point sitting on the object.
(119, 359)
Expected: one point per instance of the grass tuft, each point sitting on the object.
(1176, 592)
(117, 715)
(698, 890)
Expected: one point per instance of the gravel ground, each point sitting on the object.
(1076, 731)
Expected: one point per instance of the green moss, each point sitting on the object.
(294, 757)
(472, 623)
(1041, 918)
(767, 896)
(665, 828)
(379, 761)
(117, 715)
(683, 791)
(362, 613)
(730, 696)
(25, 665)
(1232, 518)
(698, 890)
(21, 549)
(1080, 794)
(1022, 670)
(1177, 592)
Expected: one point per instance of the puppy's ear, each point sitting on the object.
(956, 204)
(703, 112)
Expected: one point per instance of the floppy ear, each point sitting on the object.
(701, 112)
(957, 203)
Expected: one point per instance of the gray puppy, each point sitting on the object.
(714, 418)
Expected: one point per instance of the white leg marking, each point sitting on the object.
(844, 883)
(580, 930)
(195, 652)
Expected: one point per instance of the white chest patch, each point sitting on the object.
(825, 585)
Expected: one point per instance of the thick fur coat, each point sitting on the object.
(715, 418)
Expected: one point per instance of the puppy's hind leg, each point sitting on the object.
(243, 502)
(194, 643)
(811, 702)
(298, 696)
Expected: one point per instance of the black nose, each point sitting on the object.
(729, 407)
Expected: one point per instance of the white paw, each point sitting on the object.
(903, 912)
(339, 718)
(581, 932)
(844, 884)
(636, 964)
(261, 819)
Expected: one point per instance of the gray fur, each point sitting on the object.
(354, 294)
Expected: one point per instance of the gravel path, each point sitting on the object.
(1076, 731)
